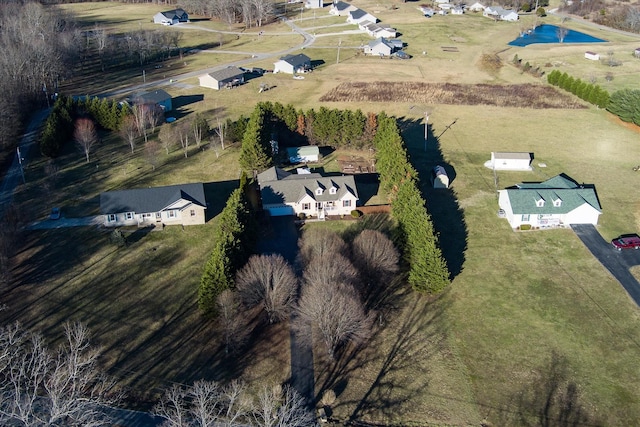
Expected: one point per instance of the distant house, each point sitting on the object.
(556, 202)
(446, 6)
(158, 98)
(227, 77)
(379, 47)
(427, 11)
(476, 7)
(171, 17)
(311, 194)
(457, 11)
(378, 30)
(308, 153)
(357, 16)
(341, 8)
(510, 161)
(439, 177)
(500, 14)
(183, 204)
(592, 56)
(292, 64)
(636, 53)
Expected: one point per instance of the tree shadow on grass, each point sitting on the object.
(409, 350)
(551, 399)
(442, 204)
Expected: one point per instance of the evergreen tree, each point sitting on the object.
(256, 152)
(625, 104)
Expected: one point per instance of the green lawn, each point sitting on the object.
(528, 316)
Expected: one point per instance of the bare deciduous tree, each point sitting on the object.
(42, 387)
(85, 135)
(129, 131)
(268, 280)
(167, 136)
(279, 406)
(151, 152)
(231, 322)
(320, 243)
(561, 32)
(375, 256)
(336, 312)
(182, 133)
(326, 270)
(220, 131)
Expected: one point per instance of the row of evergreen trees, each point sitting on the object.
(625, 104)
(233, 244)
(58, 129)
(427, 268)
(591, 93)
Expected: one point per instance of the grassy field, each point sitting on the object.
(530, 321)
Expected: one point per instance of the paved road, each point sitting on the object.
(617, 262)
(13, 176)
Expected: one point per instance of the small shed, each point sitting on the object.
(308, 153)
(513, 161)
(636, 53)
(439, 177)
(592, 56)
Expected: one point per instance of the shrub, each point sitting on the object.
(525, 227)
(356, 213)
(302, 216)
(541, 12)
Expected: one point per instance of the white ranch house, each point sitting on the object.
(312, 194)
(556, 202)
(292, 64)
(171, 17)
(341, 8)
(476, 7)
(510, 161)
(357, 16)
(183, 204)
(378, 30)
(500, 14)
(379, 47)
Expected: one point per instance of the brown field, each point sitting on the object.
(523, 95)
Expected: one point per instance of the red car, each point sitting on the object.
(628, 241)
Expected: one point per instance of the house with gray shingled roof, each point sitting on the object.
(314, 195)
(556, 202)
(292, 64)
(340, 8)
(171, 17)
(357, 16)
(227, 77)
(182, 204)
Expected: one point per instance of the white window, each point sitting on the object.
(158, 215)
(192, 212)
(557, 203)
(332, 190)
(346, 203)
(540, 203)
(306, 206)
(111, 217)
(129, 215)
(171, 214)
(525, 218)
(319, 191)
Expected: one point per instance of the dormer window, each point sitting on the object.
(540, 203)
(318, 191)
(557, 203)
(332, 190)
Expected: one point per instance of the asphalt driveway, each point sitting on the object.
(617, 262)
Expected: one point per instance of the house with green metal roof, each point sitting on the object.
(182, 204)
(557, 202)
(284, 193)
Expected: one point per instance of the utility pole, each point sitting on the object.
(426, 124)
(339, 43)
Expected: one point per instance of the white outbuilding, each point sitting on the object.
(510, 161)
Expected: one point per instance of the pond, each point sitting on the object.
(549, 34)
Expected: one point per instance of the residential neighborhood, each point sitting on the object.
(308, 212)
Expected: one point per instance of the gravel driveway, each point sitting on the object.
(617, 262)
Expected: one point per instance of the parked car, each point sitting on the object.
(626, 241)
(55, 214)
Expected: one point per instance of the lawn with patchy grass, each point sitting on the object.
(529, 318)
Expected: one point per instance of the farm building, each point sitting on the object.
(556, 202)
(171, 17)
(183, 204)
(592, 56)
(379, 47)
(341, 8)
(357, 16)
(311, 194)
(439, 177)
(158, 98)
(227, 77)
(292, 64)
(510, 161)
(378, 30)
(308, 153)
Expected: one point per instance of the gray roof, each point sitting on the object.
(291, 188)
(155, 199)
(227, 73)
(524, 197)
(380, 41)
(357, 14)
(175, 13)
(341, 5)
(156, 97)
(296, 60)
